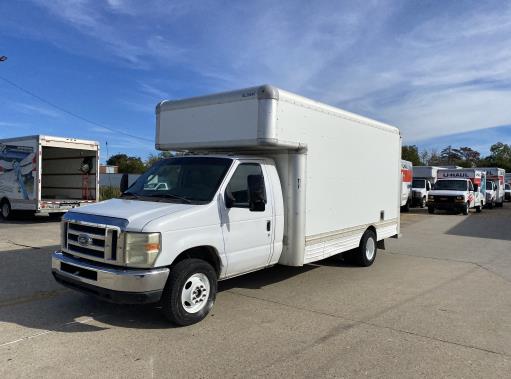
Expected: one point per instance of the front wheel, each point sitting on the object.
(465, 209)
(190, 292)
(423, 202)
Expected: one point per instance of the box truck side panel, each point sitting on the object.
(342, 155)
(18, 172)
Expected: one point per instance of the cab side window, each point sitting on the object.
(470, 186)
(237, 188)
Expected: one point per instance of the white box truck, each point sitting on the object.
(423, 179)
(458, 190)
(270, 177)
(406, 185)
(47, 175)
(497, 176)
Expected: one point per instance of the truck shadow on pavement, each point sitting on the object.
(484, 225)
(30, 297)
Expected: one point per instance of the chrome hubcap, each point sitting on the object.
(195, 293)
(370, 249)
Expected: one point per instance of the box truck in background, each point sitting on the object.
(423, 179)
(458, 190)
(47, 175)
(406, 185)
(497, 176)
(270, 177)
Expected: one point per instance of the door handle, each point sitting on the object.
(268, 225)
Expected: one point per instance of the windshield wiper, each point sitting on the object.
(128, 193)
(171, 196)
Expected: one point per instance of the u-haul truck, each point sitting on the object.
(47, 175)
(406, 185)
(458, 190)
(497, 176)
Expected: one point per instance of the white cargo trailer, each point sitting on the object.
(44, 174)
(270, 177)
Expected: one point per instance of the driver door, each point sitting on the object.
(248, 235)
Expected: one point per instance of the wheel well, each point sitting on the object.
(373, 229)
(206, 253)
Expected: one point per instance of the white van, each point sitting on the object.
(423, 179)
(458, 190)
(270, 177)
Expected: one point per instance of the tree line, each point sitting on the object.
(135, 165)
(464, 156)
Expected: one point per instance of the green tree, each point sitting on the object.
(450, 155)
(411, 153)
(127, 164)
(153, 158)
(500, 156)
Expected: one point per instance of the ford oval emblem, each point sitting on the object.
(84, 240)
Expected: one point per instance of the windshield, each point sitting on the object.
(419, 183)
(451, 185)
(183, 179)
(508, 187)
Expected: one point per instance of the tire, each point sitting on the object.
(491, 205)
(431, 210)
(423, 202)
(189, 280)
(5, 209)
(366, 253)
(479, 209)
(465, 209)
(406, 207)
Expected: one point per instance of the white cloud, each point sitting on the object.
(39, 109)
(431, 73)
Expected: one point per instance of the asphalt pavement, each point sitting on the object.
(436, 303)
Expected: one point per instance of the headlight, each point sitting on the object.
(142, 249)
(460, 197)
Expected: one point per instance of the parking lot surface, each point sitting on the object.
(436, 303)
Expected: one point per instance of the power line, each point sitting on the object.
(69, 112)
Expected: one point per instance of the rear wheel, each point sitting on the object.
(5, 209)
(479, 208)
(190, 292)
(366, 253)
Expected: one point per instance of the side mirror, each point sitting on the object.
(428, 186)
(124, 183)
(256, 193)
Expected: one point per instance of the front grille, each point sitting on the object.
(99, 243)
(445, 199)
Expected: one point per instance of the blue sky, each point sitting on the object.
(440, 71)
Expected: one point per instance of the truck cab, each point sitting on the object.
(420, 191)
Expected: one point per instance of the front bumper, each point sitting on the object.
(115, 284)
(447, 206)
